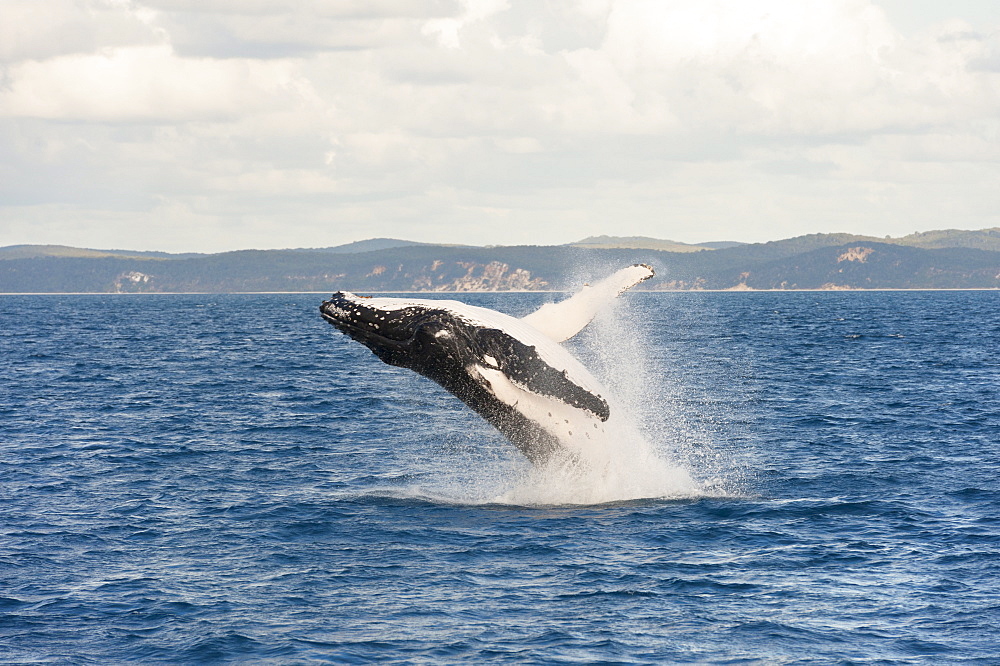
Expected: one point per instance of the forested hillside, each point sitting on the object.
(943, 259)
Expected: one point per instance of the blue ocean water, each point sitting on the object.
(225, 478)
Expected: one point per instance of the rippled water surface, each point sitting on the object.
(227, 479)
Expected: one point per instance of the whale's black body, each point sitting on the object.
(512, 372)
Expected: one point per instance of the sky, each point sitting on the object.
(214, 125)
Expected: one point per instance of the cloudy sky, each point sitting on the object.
(209, 125)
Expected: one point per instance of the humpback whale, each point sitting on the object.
(512, 372)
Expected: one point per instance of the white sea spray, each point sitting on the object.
(639, 457)
(653, 446)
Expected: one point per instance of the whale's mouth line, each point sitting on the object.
(343, 323)
(340, 322)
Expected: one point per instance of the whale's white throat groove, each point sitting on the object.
(512, 372)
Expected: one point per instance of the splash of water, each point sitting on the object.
(637, 460)
(652, 450)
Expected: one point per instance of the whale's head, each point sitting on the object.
(401, 334)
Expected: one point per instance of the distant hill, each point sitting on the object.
(984, 239)
(643, 243)
(944, 259)
(370, 245)
(720, 245)
(855, 265)
(34, 251)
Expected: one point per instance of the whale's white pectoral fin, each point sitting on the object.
(561, 321)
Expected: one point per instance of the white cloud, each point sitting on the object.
(349, 9)
(745, 119)
(146, 84)
(40, 29)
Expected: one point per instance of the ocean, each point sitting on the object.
(808, 478)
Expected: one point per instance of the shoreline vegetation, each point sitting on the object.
(936, 260)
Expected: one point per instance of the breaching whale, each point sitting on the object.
(512, 372)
